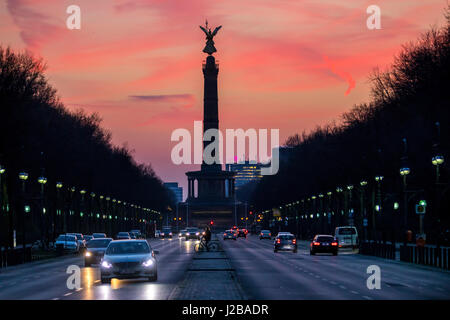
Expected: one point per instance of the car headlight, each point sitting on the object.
(170, 234)
(106, 264)
(148, 263)
(197, 233)
(88, 254)
(187, 233)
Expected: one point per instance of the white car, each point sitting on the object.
(67, 242)
(157, 233)
(80, 239)
(346, 236)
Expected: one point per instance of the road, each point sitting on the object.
(47, 280)
(264, 274)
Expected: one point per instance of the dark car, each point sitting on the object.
(99, 235)
(193, 233)
(166, 232)
(242, 232)
(127, 259)
(123, 236)
(95, 249)
(285, 242)
(229, 234)
(265, 234)
(324, 244)
(87, 238)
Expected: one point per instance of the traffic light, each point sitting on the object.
(211, 222)
(251, 212)
(421, 207)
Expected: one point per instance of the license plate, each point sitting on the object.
(326, 244)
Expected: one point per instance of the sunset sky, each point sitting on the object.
(287, 64)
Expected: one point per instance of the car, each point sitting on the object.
(166, 232)
(67, 242)
(137, 233)
(99, 235)
(229, 234)
(123, 236)
(242, 233)
(265, 234)
(323, 243)
(80, 239)
(87, 238)
(193, 233)
(283, 232)
(132, 235)
(285, 242)
(157, 233)
(347, 237)
(182, 233)
(95, 249)
(128, 259)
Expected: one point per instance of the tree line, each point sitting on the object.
(40, 136)
(405, 124)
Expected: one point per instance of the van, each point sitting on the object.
(346, 236)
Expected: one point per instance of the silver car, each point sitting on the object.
(128, 259)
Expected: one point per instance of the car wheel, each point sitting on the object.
(311, 253)
(335, 253)
(275, 250)
(295, 251)
(87, 264)
(260, 238)
(234, 238)
(105, 280)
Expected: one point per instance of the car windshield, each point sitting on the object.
(192, 229)
(346, 231)
(325, 239)
(99, 235)
(100, 243)
(166, 230)
(286, 237)
(229, 231)
(66, 238)
(123, 234)
(265, 231)
(134, 247)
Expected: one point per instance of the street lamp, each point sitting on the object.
(24, 177)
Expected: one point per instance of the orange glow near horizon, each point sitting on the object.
(284, 64)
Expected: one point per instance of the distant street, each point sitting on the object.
(285, 275)
(261, 273)
(47, 280)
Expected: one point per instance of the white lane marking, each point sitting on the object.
(440, 289)
(68, 294)
(366, 297)
(55, 299)
(332, 282)
(342, 287)
(96, 281)
(79, 289)
(354, 292)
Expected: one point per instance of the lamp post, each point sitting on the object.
(379, 205)
(43, 214)
(23, 176)
(62, 212)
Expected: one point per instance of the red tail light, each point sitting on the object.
(270, 234)
(316, 243)
(294, 241)
(224, 234)
(334, 243)
(278, 241)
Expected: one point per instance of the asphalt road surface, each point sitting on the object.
(264, 274)
(47, 279)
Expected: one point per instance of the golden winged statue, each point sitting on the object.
(209, 48)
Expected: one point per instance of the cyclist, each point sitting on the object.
(207, 236)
